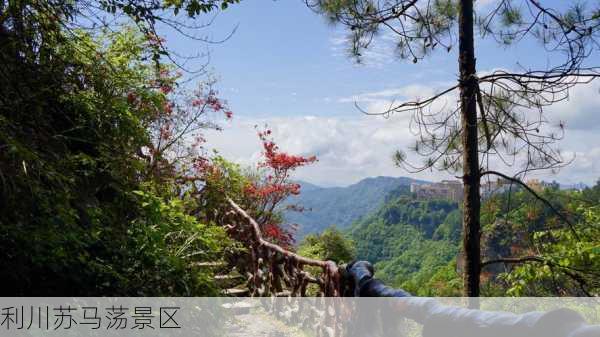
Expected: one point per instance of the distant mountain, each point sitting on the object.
(306, 187)
(340, 206)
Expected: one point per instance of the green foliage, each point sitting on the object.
(557, 261)
(425, 215)
(414, 267)
(80, 213)
(570, 263)
(445, 282)
(166, 243)
(511, 16)
(193, 8)
(415, 244)
(329, 245)
(426, 26)
(411, 241)
(222, 179)
(451, 228)
(446, 8)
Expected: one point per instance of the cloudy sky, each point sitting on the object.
(287, 67)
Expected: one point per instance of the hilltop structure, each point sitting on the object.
(453, 189)
(540, 185)
(446, 189)
(500, 185)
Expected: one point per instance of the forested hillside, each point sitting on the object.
(408, 240)
(415, 244)
(340, 206)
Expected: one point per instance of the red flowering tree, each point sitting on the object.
(260, 193)
(273, 186)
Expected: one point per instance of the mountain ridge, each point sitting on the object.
(340, 206)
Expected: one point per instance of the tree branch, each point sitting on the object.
(514, 260)
(537, 196)
(534, 258)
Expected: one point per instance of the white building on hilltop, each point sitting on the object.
(446, 189)
(453, 189)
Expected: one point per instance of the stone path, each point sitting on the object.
(260, 324)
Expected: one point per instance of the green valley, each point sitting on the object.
(340, 206)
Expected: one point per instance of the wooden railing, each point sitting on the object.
(272, 270)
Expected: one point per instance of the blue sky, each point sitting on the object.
(286, 66)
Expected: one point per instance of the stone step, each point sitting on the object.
(240, 308)
(210, 264)
(228, 277)
(236, 292)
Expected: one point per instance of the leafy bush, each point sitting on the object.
(330, 245)
(81, 211)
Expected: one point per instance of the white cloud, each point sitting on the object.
(581, 111)
(381, 51)
(348, 149)
(402, 93)
(352, 148)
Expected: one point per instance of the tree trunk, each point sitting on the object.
(471, 173)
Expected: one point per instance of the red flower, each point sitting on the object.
(165, 89)
(168, 107)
